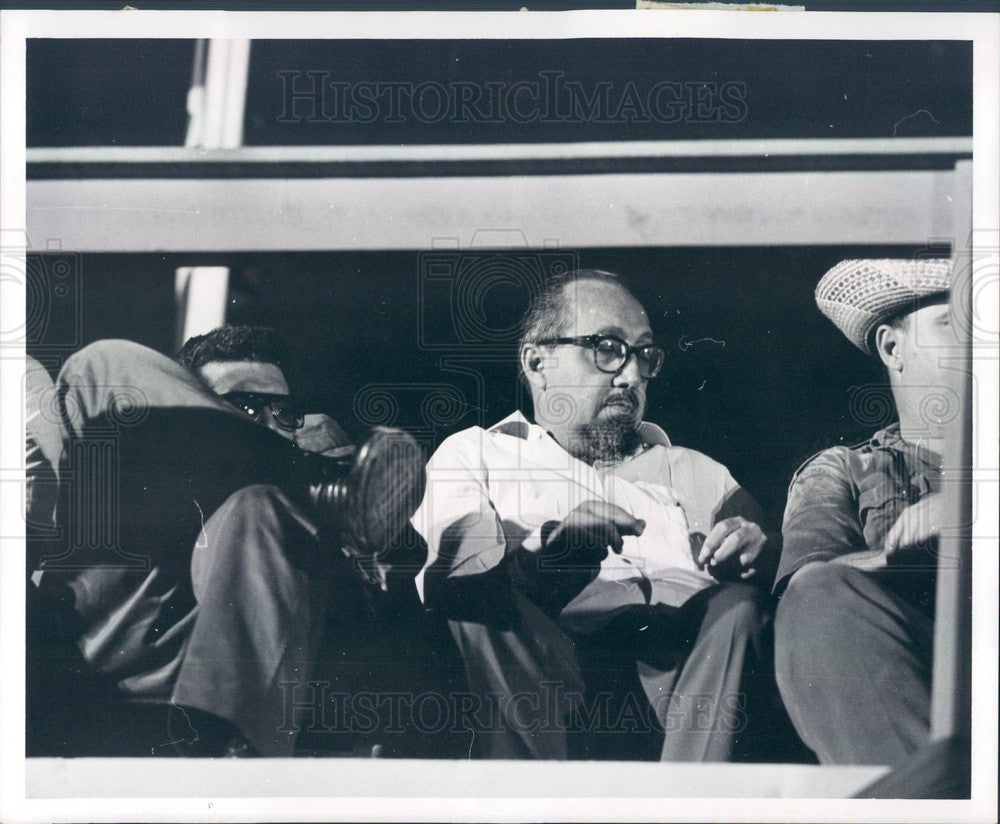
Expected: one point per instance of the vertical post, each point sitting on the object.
(216, 107)
(951, 695)
(196, 96)
(225, 93)
(201, 294)
(217, 98)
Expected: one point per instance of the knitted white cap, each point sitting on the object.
(858, 295)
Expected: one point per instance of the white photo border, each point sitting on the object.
(422, 790)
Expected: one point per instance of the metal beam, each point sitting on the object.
(575, 211)
(888, 147)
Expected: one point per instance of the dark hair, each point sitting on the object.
(900, 322)
(233, 343)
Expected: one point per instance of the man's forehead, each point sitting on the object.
(596, 306)
(244, 376)
(936, 307)
(929, 308)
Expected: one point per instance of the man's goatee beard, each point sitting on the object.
(611, 440)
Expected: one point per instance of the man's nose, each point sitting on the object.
(267, 418)
(628, 374)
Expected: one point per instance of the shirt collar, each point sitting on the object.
(888, 437)
(891, 438)
(518, 426)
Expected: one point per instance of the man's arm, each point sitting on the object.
(737, 547)
(43, 452)
(473, 563)
(463, 532)
(822, 522)
(551, 576)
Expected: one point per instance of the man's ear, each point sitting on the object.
(533, 366)
(887, 345)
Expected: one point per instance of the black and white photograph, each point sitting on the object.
(503, 415)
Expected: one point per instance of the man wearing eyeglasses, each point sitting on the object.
(580, 541)
(245, 366)
(204, 564)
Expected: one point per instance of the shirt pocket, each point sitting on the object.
(531, 502)
(881, 499)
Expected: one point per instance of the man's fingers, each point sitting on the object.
(730, 545)
(751, 554)
(729, 537)
(610, 537)
(626, 524)
(716, 535)
(599, 552)
(602, 512)
(591, 530)
(918, 523)
(893, 536)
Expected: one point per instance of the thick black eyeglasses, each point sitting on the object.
(284, 412)
(612, 353)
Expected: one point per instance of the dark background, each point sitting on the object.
(755, 376)
(769, 382)
(124, 92)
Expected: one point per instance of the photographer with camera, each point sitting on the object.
(205, 560)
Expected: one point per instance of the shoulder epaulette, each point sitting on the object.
(815, 455)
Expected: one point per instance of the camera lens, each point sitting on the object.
(368, 499)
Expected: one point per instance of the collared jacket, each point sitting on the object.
(846, 498)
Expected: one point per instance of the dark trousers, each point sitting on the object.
(692, 663)
(853, 663)
(263, 594)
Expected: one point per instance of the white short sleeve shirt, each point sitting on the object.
(490, 491)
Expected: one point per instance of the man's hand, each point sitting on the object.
(584, 537)
(735, 540)
(572, 552)
(916, 527)
(914, 530)
(395, 567)
(323, 435)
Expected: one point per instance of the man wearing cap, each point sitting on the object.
(854, 626)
